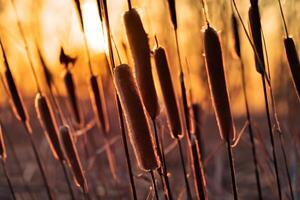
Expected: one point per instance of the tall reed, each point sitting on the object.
(235, 28)
(256, 33)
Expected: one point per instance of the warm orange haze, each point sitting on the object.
(141, 99)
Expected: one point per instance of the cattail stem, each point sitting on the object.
(119, 108)
(154, 185)
(125, 144)
(188, 189)
(163, 169)
(64, 167)
(231, 163)
(251, 135)
(271, 137)
(178, 51)
(286, 166)
(37, 157)
(11, 188)
(283, 19)
(129, 4)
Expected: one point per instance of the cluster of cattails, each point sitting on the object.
(139, 111)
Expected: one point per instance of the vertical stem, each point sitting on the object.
(124, 139)
(251, 135)
(62, 163)
(129, 4)
(188, 190)
(8, 179)
(286, 166)
(271, 137)
(154, 184)
(35, 151)
(230, 157)
(162, 170)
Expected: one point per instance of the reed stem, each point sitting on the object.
(188, 189)
(11, 188)
(271, 137)
(251, 135)
(231, 163)
(37, 157)
(163, 169)
(62, 163)
(154, 184)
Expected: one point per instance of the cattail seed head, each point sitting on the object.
(2, 145)
(17, 102)
(217, 83)
(47, 120)
(70, 86)
(235, 29)
(139, 129)
(138, 42)
(255, 27)
(72, 156)
(168, 92)
(99, 103)
(293, 59)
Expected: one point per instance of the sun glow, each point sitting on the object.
(93, 28)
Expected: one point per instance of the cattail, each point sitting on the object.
(2, 145)
(217, 83)
(18, 106)
(235, 27)
(99, 103)
(293, 60)
(138, 42)
(73, 158)
(66, 59)
(139, 130)
(255, 27)
(168, 92)
(78, 8)
(46, 118)
(70, 86)
(48, 75)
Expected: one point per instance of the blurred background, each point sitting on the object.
(54, 24)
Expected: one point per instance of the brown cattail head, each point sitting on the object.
(18, 106)
(47, 120)
(99, 103)
(73, 158)
(168, 92)
(293, 59)
(139, 129)
(217, 83)
(2, 145)
(70, 86)
(255, 27)
(66, 59)
(235, 29)
(138, 42)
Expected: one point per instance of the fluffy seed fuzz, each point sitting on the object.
(139, 129)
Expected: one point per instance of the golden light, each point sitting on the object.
(92, 26)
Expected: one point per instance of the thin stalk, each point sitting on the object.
(283, 19)
(163, 169)
(188, 189)
(86, 194)
(11, 188)
(63, 166)
(251, 134)
(35, 151)
(231, 163)
(154, 184)
(119, 108)
(129, 4)
(271, 137)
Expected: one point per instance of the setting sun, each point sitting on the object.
(93, 29)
